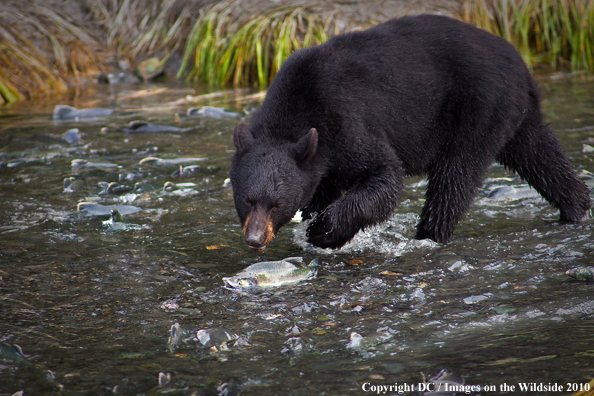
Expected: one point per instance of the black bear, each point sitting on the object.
(345, 121)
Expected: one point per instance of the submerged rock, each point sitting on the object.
(115, 188)
(63, 112)
(71, 184)
(477, 299)
(164, 379)
(95, 209)
(215, 337)
(83, 163)
(146, 127)
(179, 188)
(512, 193)
(213, 112)
(175, 335)
(186, 170)
(581, 273)
(12, 352)
(173, 161)
(297, 345)
(357, 341)
(71, 136)
(129, 177)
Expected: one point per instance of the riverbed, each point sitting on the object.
(96, 302)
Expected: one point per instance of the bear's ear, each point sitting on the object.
(242, 138)
(306, 147)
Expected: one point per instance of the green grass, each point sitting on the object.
(224, 48)
(559, 33)
(227, 46)
(242, 43)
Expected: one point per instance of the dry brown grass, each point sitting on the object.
(45, 47)
(41, 50)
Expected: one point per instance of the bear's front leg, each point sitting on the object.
(369, 201)
(326, 193)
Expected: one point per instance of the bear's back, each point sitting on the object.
(401, 81)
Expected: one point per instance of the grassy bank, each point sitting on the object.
(42, 51)
(45, 47)
(48, 45)
(249, 46)
(559, 33)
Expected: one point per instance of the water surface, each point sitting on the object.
(91, 303)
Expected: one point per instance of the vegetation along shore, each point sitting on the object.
(47, 46)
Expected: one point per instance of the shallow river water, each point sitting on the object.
(93, 306)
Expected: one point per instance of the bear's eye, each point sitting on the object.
(249, 200)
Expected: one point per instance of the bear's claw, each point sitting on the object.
(323, 234)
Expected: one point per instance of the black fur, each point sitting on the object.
(415, 95)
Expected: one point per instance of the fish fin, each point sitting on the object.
(294, 260)
(314, 263)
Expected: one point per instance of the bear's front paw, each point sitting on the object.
(323, 232)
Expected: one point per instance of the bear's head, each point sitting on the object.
(271, 181)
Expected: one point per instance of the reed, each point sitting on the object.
(43, 49)
(138, 27)
(232, 44)
(559, 33)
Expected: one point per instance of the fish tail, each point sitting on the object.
(314, 263)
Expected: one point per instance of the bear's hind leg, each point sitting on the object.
(536, 155)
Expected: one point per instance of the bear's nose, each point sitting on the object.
(258, 229)
(256, 241)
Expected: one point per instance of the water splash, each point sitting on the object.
(393, 237)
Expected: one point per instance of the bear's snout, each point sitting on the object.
(258, 229)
